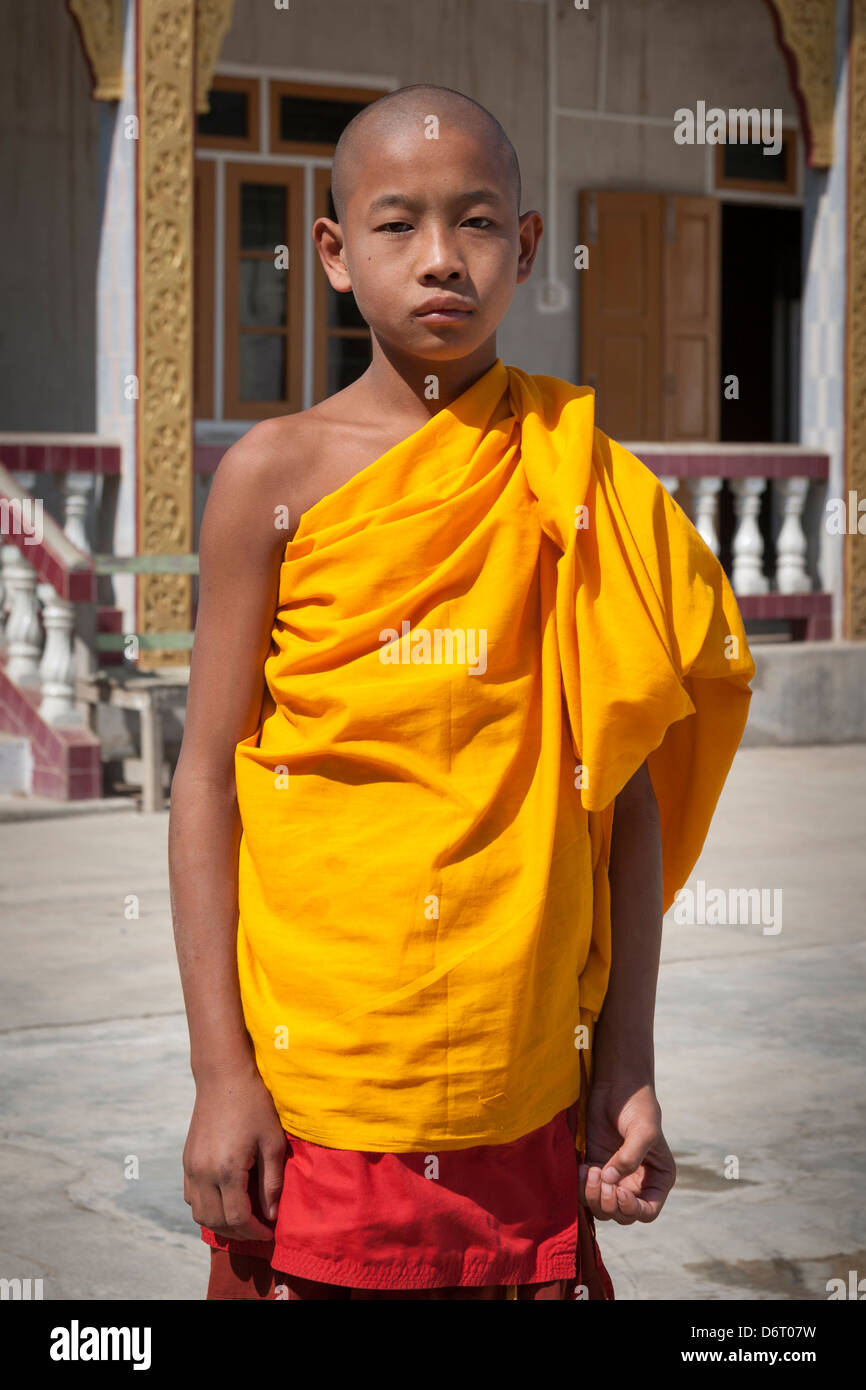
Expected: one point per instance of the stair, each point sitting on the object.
(16, 765)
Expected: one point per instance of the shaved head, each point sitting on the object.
(392, 112)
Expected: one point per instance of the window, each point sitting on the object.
(270, 337)
(310, 120)
(203, 279)
(233, 120)
(263, 294)
(745, 167)
(342, 337)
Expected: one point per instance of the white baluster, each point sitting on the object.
(791, 573)
(76, 490)
(706, 494)
(23, 630)
(748, 544)
(3, 599)
(57, 668)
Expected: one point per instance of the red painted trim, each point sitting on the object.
(721, 464)
(816, 604)
(67, 763)
(99, 459)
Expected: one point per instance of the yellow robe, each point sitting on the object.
(479, 638)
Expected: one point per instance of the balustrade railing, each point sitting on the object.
(49, 636)
(771, 581)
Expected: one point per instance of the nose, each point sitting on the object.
(439, 257)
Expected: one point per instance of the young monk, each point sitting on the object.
(454, 740)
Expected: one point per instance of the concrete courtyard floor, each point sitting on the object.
(759, 1055)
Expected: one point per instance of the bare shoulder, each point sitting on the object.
(282, 466)
(261, 483)
(241, 547)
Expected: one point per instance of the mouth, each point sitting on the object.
(441, 311)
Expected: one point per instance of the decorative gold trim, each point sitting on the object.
(213, 20)
(100, 25)
(166, 35)
(855, 365)
(806, 30)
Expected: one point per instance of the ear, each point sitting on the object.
(328, 237)
(531, 232)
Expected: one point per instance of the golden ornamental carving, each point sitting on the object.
(855, 451)
(807, 33)
(100, 24)
(213, 20)
(166, 46)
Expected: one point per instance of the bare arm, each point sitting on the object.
(625, 1144)
(234, 1123)
(624, 1033)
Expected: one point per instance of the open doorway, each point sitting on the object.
(761, 280)
(761, 284)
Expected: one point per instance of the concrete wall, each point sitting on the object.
(625, 65)
(49, 231)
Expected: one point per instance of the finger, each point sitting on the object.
(652, 1196)
(592, 1193)
(650, 1203)
(207, 1206)
(631, 1153)
(609, 1203)
(589, 1189)
(271, 1166)
(239, 1218)
(628, 1206)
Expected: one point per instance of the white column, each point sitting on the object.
(791, 574)
(3, 598)
(706, 494)
(115, 303)
(23, 629)
(76, 490)
(748, 544)
(57, 668)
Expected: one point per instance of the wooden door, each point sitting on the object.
(690, 300)
(621, 310)
(650, 313)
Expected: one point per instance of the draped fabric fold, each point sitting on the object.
(478, 640)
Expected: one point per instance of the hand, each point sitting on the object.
(234, 1125)
(629, 1169)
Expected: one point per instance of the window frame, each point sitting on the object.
(291, 177)
(790, 145)
(204, 214)
(222, 82)
(315, 91)
(322, 332)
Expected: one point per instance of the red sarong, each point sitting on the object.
(492, 1216)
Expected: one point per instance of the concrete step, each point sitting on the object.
(16, 765)
(807, 693)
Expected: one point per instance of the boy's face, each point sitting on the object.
(431, 242)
